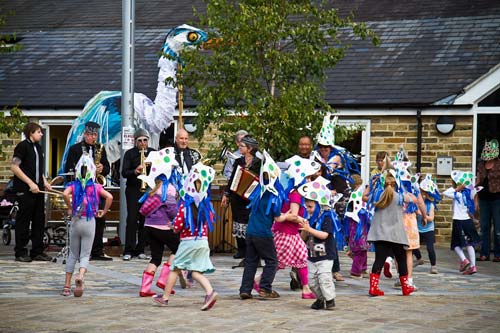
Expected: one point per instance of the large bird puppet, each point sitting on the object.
(154, 116)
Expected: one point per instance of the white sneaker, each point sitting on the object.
(127, 257)
(142, 256)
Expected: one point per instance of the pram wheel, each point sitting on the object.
(59, 236)
(6, 235)
(46, 239)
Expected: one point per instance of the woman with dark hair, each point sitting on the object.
(248, 148)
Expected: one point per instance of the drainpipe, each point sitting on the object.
(419, 139)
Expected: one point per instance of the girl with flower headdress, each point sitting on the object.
(160, 208)
(195, 217)
(463, 232)
(82, 198)
(431, 196)
(318, 233)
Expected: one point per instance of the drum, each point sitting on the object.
(244, 182)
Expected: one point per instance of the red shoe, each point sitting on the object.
(464, 264)
(496, 259)
(147, 280)
(387, 269)
(308, 295)
(374, 290)
(256, 286)
(406, 287)
(485, 258)
(470, 271)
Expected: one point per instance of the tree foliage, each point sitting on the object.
(11, 121)
(265, 71)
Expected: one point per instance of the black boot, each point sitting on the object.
(241, 243)
(318, 305)
(330, 304)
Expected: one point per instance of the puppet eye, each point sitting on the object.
(192, 37)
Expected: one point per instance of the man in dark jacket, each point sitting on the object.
(132, 167)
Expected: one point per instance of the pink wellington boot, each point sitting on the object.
(162, 280)
(147, 280)
(374, 290)
(406, 287)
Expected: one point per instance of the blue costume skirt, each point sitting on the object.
(193, 255)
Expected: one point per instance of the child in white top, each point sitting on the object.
(464, 233)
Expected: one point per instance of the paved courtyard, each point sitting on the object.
(448, 301)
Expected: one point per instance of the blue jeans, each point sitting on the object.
(488, 211)
(259, 247)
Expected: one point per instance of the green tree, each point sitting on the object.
(11, 120)
(266, 71)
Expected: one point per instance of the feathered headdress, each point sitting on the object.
(196, 190)
(163, 167)
(85, 173)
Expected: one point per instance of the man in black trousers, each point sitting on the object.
(132, 167)
(27, 166)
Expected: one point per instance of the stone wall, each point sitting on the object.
(389, 133)
(8, 144)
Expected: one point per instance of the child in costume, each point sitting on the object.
(290, 248)
(265, 203)
(318, 233)
(195, 216)
(430, 194)
(359, 223)
(408, 183)
(463, 232)
(82, 195)
(387, 230)
(160, 208)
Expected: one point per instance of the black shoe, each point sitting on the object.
(318, 305)
(330, 304)
(295, 282)
(102, 257)
(238, 256)
(242, 263)
(42, 257)
(24, 258)
(246, 296)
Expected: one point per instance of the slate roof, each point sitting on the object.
(72, 49)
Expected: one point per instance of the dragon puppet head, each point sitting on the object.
(183, 37)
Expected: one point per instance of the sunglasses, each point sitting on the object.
(142, 140)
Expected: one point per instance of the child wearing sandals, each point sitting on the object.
(195, 216)
(160, 208)
(463, 232)
(83, 209)
(318, 233)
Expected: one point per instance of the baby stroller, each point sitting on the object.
(8, 211)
